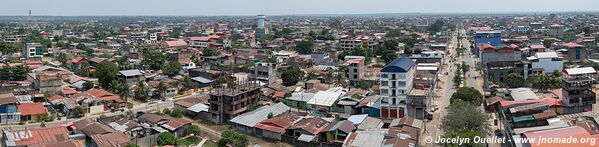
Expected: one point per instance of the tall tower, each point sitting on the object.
(261, 25)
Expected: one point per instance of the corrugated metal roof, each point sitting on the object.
(202, 80)
(583, 70)
(199, 108)
(250, 119)
(399, 65)
(325, 98)
(523, 118)
(133, 72)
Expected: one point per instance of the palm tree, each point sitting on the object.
(142, 91)
(124, 91)
(161, 89)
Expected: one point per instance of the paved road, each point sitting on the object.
(447, 88)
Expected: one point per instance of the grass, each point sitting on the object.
(192, 140)
(210, 143)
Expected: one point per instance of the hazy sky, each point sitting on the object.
(281, 7)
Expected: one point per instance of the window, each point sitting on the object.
(384, 76)
(402, 76)
(355, 70)
(384, 92)
(401, 83)
(384, 83)
(355, 76)
(394, 101)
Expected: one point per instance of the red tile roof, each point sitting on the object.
(548, 101)
(278, 124)
(176, 43)
(32, 108)
(487, 46)
(68, 91)
(111, 139)
(562, 133)
(279, 94)
(572, 45)
(537, 46)
(311, 124)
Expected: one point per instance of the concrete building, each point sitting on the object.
(355, 70)
(574, 52)
(544, 63)
(228, 102)
(500, 62)
(577, 89)
(556, 29)
(31, 50)
(131, 77)
(396, 82)
(264, 72)
(486, 37)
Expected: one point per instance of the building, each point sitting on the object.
(577, 89)
(276, 126)
(228, 102)
(499, 62)
(324, 101)
(32, 111)
(574, 52)
(556, 29)
(261, 25)
(347, 42)
(396, 82)
(355, 70)
(544, 63)
(49, 136)
(130, 77)
(246, 121)
(264, 72)
(8, 109)
(32, 50)
(486, 37)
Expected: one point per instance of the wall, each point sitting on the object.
(96, 109)
(548, 65)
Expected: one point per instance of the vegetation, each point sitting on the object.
(106, 73)
(515, 80)
(209, 52)
(132, 145)
(78, 112)
(291, 76)
(195, 130)
(468, 94)
(457, 78)
(166, 138)
(17, 73)
(172, 69)
(177, 113)
(455, 123)
(232, 138)
(544, 82)
(88, 85)
(153, 58)
(304, 47)
(363, 84)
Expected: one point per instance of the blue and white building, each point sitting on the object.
(395, 84)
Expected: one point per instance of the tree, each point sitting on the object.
(166, 111)
(166, 138)
(106, 72)
(304, 47)
(162, 88)
(209, 52)
(270, 115)
(457, 78)
(195, 130)
(363, 84)
(19, 72)
(5, 73)
(142, 91)
(455, 123)
(389, 56)
(339, 79)
(153, 59)
(515, 80)
(78, 112)
(232, 138)
(172, 69)
(88, 85)
(124, 91)
(291, 76)
(187, 83)
(311, 76)
(544, 82)
(132, 145)
(464, 67)
(177, 113)
(468, 94)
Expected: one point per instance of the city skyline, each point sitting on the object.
(277, 7)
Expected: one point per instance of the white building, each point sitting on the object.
(396, 82)
(545, 62)
(355, 69)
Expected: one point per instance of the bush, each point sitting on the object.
(177, 113)
(166, 138)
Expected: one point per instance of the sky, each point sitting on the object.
(283, 7)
